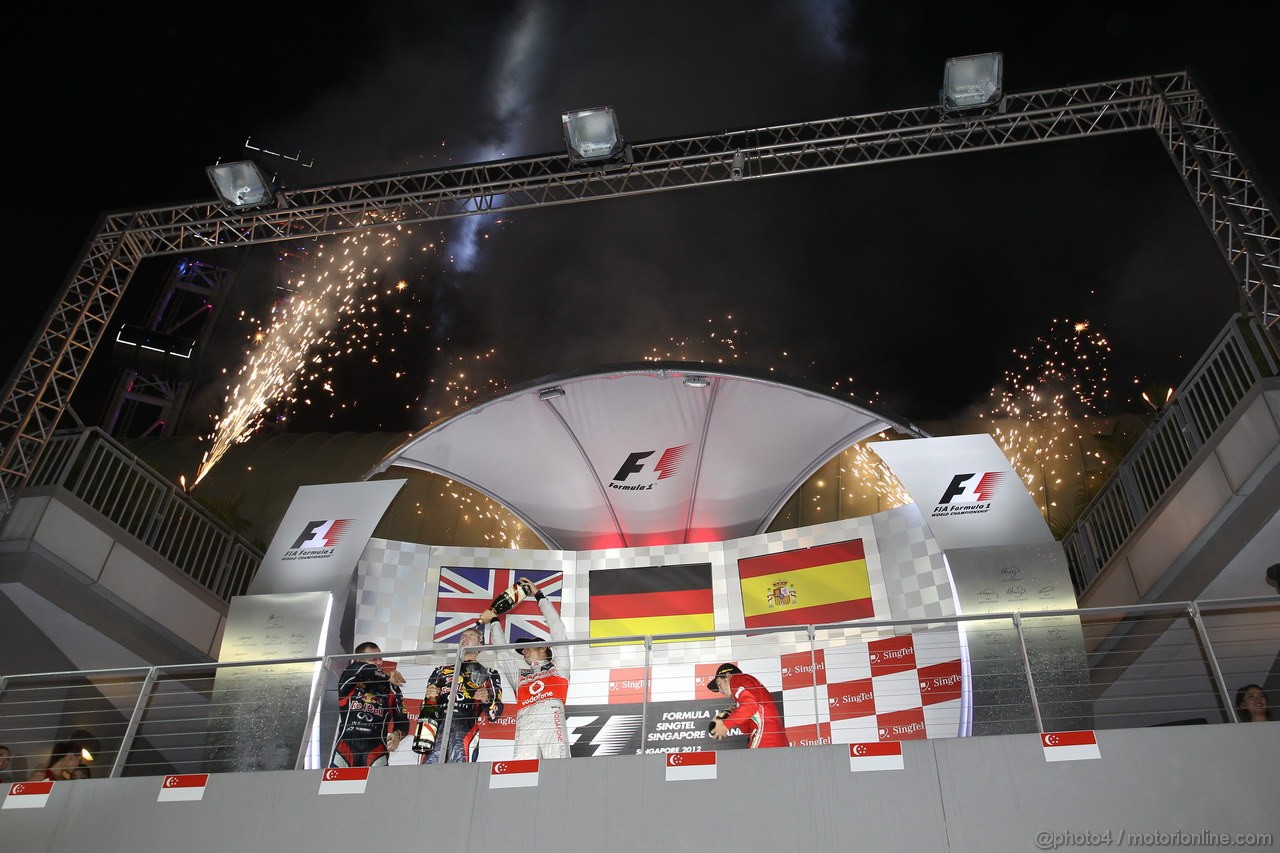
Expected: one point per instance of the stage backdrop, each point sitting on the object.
(862, 683)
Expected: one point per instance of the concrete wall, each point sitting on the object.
(963, 794)
(56, 552)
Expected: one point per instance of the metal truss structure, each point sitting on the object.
(146, 402)
(1239, 218)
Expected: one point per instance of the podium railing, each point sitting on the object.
(1177, 663)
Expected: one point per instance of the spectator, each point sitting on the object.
(477, 693)
(81, 772)
(372, 706)
(754, 711)
(542, 687)
(7, 771)
(64, 759)
(1251, 704)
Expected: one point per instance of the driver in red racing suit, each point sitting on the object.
(542, 685)
(754, 711)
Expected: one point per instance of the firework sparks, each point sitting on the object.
(1042, 415)
(283, 345)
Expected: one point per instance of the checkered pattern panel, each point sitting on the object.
(917, 584)
(397, 584)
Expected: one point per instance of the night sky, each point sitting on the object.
(915, 280)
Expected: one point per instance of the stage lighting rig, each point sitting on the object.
(973, 83)
(592, 136)
(241, 185)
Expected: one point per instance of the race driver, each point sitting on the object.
(754, 711)
(371, 703)
(477, 693)
(542, 685)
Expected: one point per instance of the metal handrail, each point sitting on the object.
(45, 704)
(1238, 359)
(100, 471)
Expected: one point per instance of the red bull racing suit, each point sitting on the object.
(464, 743)
(371, 707)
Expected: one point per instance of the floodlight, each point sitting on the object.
(696, 381)
(592, 135)
(547, 394)
(240, 185)
(973, 82)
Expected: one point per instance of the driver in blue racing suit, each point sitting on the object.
(477, 693)
(373, 719)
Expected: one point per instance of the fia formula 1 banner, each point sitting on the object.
(625, 729)
(320, 539)
(967, 491)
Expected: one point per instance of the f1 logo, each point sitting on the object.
(667, 466)
(324, 533)
(959, 491)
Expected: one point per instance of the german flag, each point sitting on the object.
(651, 600)
(812, 586)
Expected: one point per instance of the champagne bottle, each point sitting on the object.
(720, 715)
(510, 597)
(424, 734)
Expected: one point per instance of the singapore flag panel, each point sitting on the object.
(344, 780)
(27, 795)
(1070, 746)
(521, 773)
(183, 788)
(682, 766)
(879, 755)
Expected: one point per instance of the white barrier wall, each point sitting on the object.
(963, 795)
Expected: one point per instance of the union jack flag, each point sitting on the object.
(466, 593)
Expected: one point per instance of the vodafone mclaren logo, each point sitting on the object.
(318, 539)
(648, 473)
(969, 494)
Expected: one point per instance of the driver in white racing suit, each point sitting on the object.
(542, 686)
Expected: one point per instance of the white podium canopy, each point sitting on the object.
(653, 453)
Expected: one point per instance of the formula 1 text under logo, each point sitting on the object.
(969, 494)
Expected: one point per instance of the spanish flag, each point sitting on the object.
(651, 600)
(812, 586)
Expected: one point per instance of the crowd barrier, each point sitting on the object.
(1144, 665)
